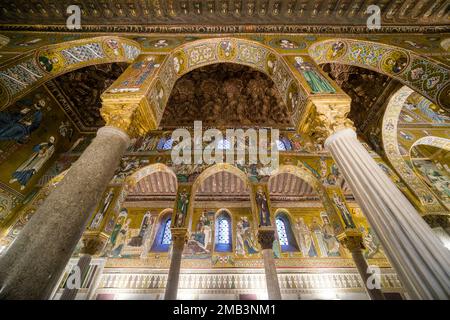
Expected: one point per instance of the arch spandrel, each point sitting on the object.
(429, 78)
(34, 68)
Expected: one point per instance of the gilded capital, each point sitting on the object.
(351, 239)
(130, 117)
(326, 116)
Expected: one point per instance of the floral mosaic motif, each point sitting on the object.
(429, 78)
(21, 76)
(201, 54)
(131, 52)
(89, 51)
(250, 54)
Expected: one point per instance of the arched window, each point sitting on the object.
(223, 144)
(284, 144)
(282, 235)
(163, 238)
(223, 241)
(285, 234)
(167, 235)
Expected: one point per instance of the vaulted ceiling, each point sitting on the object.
(225, 95)
(136, 14)
(78, 92)
(222, 186)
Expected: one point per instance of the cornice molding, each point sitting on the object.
(227, 29)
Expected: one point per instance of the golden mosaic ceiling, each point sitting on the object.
(225, 95)
(140, 13)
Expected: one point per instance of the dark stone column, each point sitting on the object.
(33, 264)
(266, 239)
(178, 241)
(352, 240)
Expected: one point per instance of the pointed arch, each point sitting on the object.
(426, 76)
(33, 69)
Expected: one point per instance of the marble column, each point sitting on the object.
(266, 239)
(83, 266)
(178, 241)
(419, 258)
(352, 240)
(32, 265)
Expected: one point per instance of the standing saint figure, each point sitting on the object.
(316, 81)
(41, 153)
(332, 244)
(101, 212)
(263, 208)
(306, 241)
(17, 126)
(182, 205)
(346, 216)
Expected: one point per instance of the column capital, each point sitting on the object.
(351, 239)
(326, 116)
(179, 236)
(132, 117)
(266, 237)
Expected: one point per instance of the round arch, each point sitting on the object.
(301, 172)
(33, 69)
(389, 130)
(436, 142)
(429, 78)
(203, 52)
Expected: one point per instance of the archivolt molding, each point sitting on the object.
(21, 76)
(437, 142)
(429, 78)
(192, 55)
(390, 146)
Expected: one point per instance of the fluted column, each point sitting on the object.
(419, 258)
(32, 265)
(266, 239)
(352, 240)
(178, 241)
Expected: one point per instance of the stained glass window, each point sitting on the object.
(223, 241)
(224, 232)
(281, 230)
(280, 145)
(167, 234)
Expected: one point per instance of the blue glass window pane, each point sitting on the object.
(281, 230)
(167, 234)
(224, 232)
